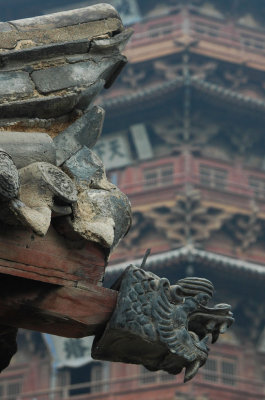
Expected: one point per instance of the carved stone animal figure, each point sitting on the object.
(162, 326)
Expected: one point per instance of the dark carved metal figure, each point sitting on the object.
(161, 326)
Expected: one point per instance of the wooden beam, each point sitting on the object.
(52, 258)
(69, 312)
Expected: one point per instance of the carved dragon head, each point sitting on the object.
(194, 323)
(161, 326)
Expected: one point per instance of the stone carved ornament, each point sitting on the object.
(32, 195)
(47, 167)
(162, 326)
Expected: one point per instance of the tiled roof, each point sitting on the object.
(169, 86)
(188, 251)
(227, 94)
(143, 94)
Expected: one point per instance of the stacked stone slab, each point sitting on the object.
(51, 69)
(55, 64)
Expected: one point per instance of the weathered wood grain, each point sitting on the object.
(68, 312)
(51, 258)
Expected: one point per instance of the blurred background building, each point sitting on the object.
(184, 138)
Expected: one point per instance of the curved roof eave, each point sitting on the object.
(154, 261)
(214, 90)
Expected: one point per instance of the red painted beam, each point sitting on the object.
(63, 311)
(52, 259)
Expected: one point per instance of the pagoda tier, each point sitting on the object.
(189, 153)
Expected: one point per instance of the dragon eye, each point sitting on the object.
(203, 298)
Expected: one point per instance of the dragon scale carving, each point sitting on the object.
(162, 326)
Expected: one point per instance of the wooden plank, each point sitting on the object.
(68, 312)
(35, 273)
(51, 258)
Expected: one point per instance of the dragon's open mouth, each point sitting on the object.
(209, 322)
(200, 344)
(161, 326)
(203, 324)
